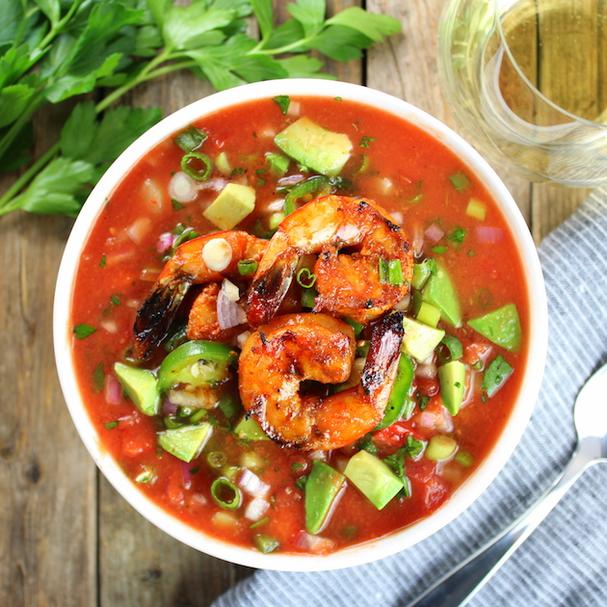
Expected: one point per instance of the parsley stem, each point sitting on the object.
(287, 48)
(168, 69)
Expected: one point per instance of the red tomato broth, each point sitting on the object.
(399, 151)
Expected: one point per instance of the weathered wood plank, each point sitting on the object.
(406, 67)
(47, 481)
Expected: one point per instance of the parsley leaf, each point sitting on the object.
(283, 102)
(82, 331)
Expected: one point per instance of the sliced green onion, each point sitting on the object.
(454, 345)
(305, 278)
(247, 267)
(459, 181)
(496, 375)
(201, 174)
(265, 543)
(191, 139)
(197, 416)
(308, 298)
(217, 459)
(464, 458)
(226, 494)
(390, 272)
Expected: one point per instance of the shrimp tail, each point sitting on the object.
(155, 316)
(384, 351)
(269, 288)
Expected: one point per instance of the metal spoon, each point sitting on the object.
(463, 582)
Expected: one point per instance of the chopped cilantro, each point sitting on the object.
(83, 330)
(283, 102)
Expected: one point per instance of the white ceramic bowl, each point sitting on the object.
(375, 549)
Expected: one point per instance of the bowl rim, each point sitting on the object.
(380, 547)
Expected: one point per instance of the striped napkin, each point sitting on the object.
(564, 562)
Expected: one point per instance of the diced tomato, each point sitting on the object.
(427, 387)
(477, 351)
(436, 491)
(394, 435)
(434, 418)
(420, 471)
(134, 445)
(174, 491)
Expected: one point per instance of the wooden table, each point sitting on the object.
(66, 537)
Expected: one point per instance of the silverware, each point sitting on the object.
(463, 582)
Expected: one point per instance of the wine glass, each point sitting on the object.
(527, 80)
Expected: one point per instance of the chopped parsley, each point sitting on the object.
(283, 102)
(366, 141)
(83, 330)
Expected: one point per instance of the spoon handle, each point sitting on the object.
(463, 582)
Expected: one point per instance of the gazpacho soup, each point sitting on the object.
(299, 324)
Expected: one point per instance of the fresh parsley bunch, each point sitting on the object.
(52, 50)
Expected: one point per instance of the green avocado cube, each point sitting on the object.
(187, 442)
(420, 339)
(231, 206)
(440, 292)
(249, 429)
(141, 386)
(313, 146)
(452, 380)
(502, 327)
(373, 478)
(322, 489)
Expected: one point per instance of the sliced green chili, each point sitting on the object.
(246, 267)
(226, 494)
(201, 174)
(217, 459)
(308, 298)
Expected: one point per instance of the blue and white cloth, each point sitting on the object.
(564, 562)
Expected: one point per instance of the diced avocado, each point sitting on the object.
(311, 145)
(422, 271)
(428, 314)
(249, 429)
(187, 442)
(322, 488)
(141, 387)
(440, 292)
(232, 205)
(420, 340)
(496, 375)
(373, 478)
(222, 163)
(452, 379)
(441, 447)
(502, 327)
(278, 163)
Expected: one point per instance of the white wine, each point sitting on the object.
(528, 80)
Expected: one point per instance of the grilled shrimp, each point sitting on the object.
(202, 260)
(278, 356)
(350, 236)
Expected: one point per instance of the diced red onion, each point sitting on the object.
(138, 230)
(418, 240)
(252, 485)
(112, 390)
(229, 312)
(153, 194)
(165, 242)
(427, 371)
(470, 386)
(290, 180)
(294, 108)
(439, 420)
(398, 217)
(182, 187)
(230, 289)
(489, 234)
(313, 543)
(109, 325)
(168, 407)
(187, 475)
(216, 184)
(434, 233)
(266, 133)
(256, 508)
(200, 499)
(276, 205)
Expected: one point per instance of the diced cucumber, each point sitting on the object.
(476, 209)
(452, 379)
(420, 340)
(222, 164)
(249, 429)
(428, 314)
(231, 206)
(322, 488)
(502, 327)
(373, 478)
(441, 447)
(187, 442)
(440, 292)
(496, 375)
(277, 163)
(422, 271)
(141, 387)
(315, 147)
